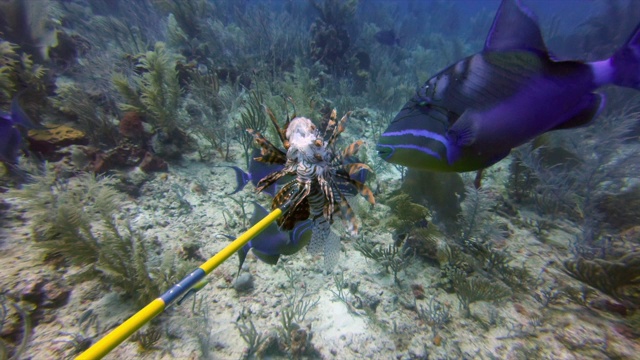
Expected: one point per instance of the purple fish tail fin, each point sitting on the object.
(242, 178)
(626, 62)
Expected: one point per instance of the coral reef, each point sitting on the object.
(540, 262)
(441, 193)
(31, 24)
(66, 219)
(157, 95)
(132, 127)
(619, 278)
(620, 211)
(330, 38)
(470, 290)
(76, 103)
(48, 141)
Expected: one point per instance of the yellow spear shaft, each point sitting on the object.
(135, 322)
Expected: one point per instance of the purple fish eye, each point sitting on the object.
(421, 97)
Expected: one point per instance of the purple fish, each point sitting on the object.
(273, 242)
(471, 114)
(10, 136)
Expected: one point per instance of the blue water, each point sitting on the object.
(162, 92)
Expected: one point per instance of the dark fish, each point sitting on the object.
(272, 242)
(387, 37)
(470, 115)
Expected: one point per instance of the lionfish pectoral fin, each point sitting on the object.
(292, 193)
(328, 131)
(339, 129)
(354, 168)
(281, 132)
(363, 189)
(269, 180)
(270, 153)
(352, 149)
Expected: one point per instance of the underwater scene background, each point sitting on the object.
(125, 154)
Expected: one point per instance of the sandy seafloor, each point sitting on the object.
(563, 330)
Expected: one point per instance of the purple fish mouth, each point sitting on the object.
(385, 151)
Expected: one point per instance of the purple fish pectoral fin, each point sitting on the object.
(582, 114)
(464, 131)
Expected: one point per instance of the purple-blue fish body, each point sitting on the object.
(471, 114)
(10, 136)
(273, 242)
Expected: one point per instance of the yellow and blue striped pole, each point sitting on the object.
(135, 322)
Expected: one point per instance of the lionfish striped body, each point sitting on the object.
(320, 174)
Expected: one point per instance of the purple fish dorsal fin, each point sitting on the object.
(515, 28)
(259, 213)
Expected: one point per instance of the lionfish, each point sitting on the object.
(321, 178)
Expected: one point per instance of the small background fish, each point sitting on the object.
(387, 37)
